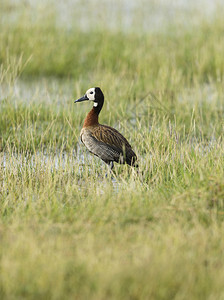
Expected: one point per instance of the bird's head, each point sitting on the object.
(93, 94)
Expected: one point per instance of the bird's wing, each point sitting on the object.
(108, 144)
(111, 136)
(101, 149)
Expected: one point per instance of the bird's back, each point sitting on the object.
(108, 144)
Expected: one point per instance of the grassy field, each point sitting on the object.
(66, 230)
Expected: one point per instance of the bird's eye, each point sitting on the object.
(91, 92)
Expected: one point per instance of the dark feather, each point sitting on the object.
(108, 144)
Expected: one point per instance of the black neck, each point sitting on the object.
(99, 106)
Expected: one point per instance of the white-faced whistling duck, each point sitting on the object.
(102, 140)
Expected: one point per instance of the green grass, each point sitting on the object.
(67, 231)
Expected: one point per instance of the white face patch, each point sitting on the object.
(91, 94)
(95, 104)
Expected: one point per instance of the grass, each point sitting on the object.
(67, 231)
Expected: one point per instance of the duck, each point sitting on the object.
(104, 141)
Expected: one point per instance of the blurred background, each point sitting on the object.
(79, 38)
(115, 15)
